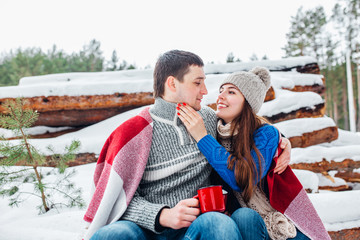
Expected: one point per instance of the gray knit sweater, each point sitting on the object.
(175, 168)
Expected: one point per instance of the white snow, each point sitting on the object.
(37, 130)
(77, 88)
(338, 210)
(99, 83)
(347, 146)
(287, 101)
(308, 179)
(325, 181)
(317, 153)
(273, 65)
(86, 77)
(291, 79)
(299, 126)
(62, 224)
(92, 138)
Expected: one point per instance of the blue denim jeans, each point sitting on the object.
(244, 223)
(252, 226)
(211, 225)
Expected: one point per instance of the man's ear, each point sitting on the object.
(170, 83)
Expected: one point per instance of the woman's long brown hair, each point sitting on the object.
(246, 173)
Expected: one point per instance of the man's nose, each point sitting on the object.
(204, 90)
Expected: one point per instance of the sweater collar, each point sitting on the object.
(224, 129)
(164, 109)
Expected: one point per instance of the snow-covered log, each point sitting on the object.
(305, 132)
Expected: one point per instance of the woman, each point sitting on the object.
(245, 161)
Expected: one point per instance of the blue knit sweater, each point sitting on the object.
(266, 140)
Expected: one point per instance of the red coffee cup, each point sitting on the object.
(212, 199)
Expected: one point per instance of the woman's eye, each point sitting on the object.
(231, 92)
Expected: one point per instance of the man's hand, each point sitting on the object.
(284, 158)
(180, 216)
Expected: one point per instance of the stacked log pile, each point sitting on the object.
(70, 102)
(294, 104)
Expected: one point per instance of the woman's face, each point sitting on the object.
(230, 102)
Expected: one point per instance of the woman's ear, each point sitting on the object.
(170, 83)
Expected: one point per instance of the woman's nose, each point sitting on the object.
(221, 95)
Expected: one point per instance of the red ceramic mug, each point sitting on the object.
(212, 198)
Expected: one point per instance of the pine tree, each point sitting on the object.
(131, 67)
(230, 57)
(253, 57)
(113, 62)
(306, 33)
(123, 65)
(89, 59)
(346, 16)
(21, 152)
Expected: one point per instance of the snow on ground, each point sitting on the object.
(338, 210)
(62, 224)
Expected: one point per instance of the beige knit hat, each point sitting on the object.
(253, 85)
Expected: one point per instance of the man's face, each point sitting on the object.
(192, 89)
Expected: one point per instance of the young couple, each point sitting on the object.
(152, 165)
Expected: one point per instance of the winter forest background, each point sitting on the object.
(312, 33)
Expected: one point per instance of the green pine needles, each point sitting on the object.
(20, 174)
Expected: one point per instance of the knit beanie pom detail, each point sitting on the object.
(263, 74)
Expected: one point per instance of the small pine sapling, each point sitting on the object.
(20, 161)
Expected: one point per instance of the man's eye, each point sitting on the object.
(197, 83)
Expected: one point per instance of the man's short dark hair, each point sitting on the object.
(174, 63)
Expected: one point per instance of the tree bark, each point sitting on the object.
(358, 89)
(344, 103)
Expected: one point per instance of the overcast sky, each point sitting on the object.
(141, 30)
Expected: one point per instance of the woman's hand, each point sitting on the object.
(284, 158)
(192, 121)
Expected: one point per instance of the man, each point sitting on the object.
(162, 206)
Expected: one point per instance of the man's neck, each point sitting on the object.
(164, 109)
(169, 99)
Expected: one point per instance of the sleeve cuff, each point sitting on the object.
(158, 227)
(207, 143)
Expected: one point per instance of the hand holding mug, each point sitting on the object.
(180, 216)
